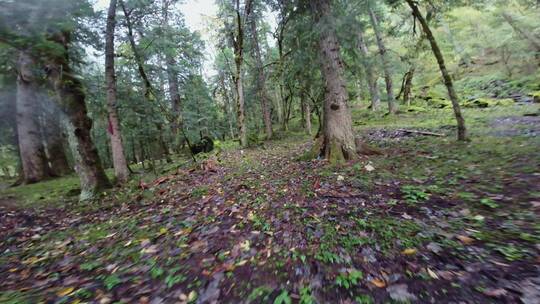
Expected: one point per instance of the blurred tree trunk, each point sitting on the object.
(71, 99)
(383, 52)
(525, 34)
(462, 131)
(55, 140)
(33, 159)
(371, 79)
(337, 143)
(118, 156)
(172, 78)
(261, 81)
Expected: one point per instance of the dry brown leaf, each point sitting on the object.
(378, 282)
(465, 239)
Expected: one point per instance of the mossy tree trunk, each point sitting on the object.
(337, 142)
(462, 130)
(32, 153)
(71, 99)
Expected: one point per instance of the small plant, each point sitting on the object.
(489, 203)
(348, 280)
(511, 252)
(413, 194)
(111, 281)
(283, 298)
(364, 299)
(199, 192)
(305, 296)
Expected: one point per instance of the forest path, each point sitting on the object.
(429, 221)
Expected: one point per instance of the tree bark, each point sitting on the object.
(407, 86)
(237, 37)
(261, 81)
(172, 78)
(31, 150)
(527, 35)
(118, 156)
(71, 99)
(462, 130)
(383, 52)
(306, 109)
(371, 79)
(337, 143)
(55, 138)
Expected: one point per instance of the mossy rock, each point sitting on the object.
(416, 109)
(440, 103)
(486, 102)
(535, 96)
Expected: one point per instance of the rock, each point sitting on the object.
(434, 247)
(369, 255)
(211, 294)
(399, 292)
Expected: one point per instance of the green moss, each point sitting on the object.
(486, 102)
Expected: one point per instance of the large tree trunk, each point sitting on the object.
(32, 152)
(337, 143)
(118, 156)
(383, 52)
(71, 99)
(371, 79)
(261, 81)
(407, 85)
(462, 131)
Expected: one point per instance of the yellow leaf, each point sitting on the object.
(409, 251)
(432, 274)
(163, 230)
(64, 292)
(465, 239)
(378, 282)
(192, 296)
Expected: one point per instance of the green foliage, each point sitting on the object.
(283, 298)
(349, 279)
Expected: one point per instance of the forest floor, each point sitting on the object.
(430, 221)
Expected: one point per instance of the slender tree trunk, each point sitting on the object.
(306, 109)
(32, 152)
(383, 52)
(261, 81)
(407, 85)
(462, 131)
(337, 143)
(172, 78)
(118, 156)
(371, 79)
(71, 99)
(527, 35)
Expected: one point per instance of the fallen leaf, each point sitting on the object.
(432, 274)
(409, 251)
(378, 282)
(64, 292)
(495, 293)
(465, 239)
(369, 168)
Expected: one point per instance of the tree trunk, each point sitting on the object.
(527, 35)
(55, 149)
(71, 99)
(306, 109)
(462, 131)
(371, 79)
(261, 82)
(383, 52)
(172, 79)
(337, 143)
(407, 86)
(118, 156)
(31, 150)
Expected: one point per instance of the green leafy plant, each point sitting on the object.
(350, 279)
(111, 281)
(283, 298)
(305, 296)
(413, 194)
(489, 203)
